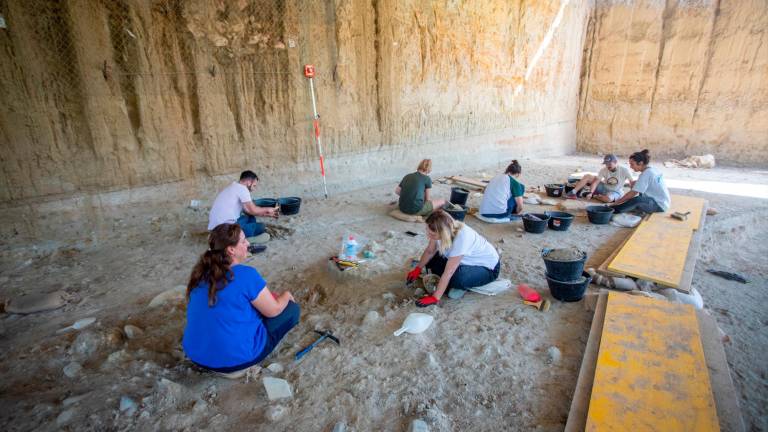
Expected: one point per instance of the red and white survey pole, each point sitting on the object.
(309, 72)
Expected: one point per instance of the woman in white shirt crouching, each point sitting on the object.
(459, 255)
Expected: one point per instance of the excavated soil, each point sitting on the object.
(486, 363)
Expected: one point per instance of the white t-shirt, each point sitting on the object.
(228, 205)
(496, 195)
(651, 184)
(473, 249)
(614, 180)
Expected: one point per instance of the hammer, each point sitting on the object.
(323, 335)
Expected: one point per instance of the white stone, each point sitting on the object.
(372, 317)
(340, 427)
(72, 370)
(277, 388)
(65, 417)
(554, 355)
(83, 323)
(176, 293)
(388, 296)
(275, 413)
(418, 426)
(73, 400)
(132, 332)
(275, 368)
(128, 406)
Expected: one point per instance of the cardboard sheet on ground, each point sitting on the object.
(397, 214)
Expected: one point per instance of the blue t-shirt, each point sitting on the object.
(231, 332)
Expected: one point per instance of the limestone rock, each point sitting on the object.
(554, 355)
(275, 368)
(132, 332)
(418, 425)
(32, 303)
(128, 406)
(176, 293)
(72, 369)
(277, 388)
(65, 417)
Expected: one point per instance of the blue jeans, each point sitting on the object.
(465, 276)
(643, 203)
(250, 226)
(277, 328)
(511, 209)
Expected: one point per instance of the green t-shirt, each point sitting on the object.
(516, 187)
(412, 189)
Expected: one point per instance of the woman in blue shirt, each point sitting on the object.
(233, 320)
(649, 192)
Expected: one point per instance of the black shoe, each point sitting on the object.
(256, 248)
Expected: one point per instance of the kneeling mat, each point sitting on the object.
(397, 214)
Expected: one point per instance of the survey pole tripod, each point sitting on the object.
(309, 72)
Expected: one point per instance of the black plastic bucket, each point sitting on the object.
(569, 187)
(535, 226)
(265, 202)
(289, 205)
(570, 291)
(458, 215)
(555, 189)
(563, 270)
(599, 215)
(560, 221)
(459, 196)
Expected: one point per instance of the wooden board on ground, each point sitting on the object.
(650, 377)
(723, 390)
(577, 416)
(469, 182)
(655, 252)
(683, 204)
(693, 255)
(600, 259)
(663, 250)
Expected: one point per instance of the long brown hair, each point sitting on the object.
(213, 267)
(446, 228)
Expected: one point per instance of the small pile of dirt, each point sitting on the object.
(566, 254)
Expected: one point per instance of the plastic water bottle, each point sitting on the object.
(350, 249)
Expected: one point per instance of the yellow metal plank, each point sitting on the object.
(656, 252)
(651, 374)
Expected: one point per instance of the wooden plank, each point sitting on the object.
(723, 390)
(693, 255)
(577, 416)
(470, 182)
(603, 268)
(682, 204)
(655, 252)
(650, 377)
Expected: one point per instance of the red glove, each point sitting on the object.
(427, 301)
(413, 274)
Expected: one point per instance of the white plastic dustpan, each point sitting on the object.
(415, 323)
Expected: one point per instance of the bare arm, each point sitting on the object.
(519, 205)
(429, 252)
(397, 190)
(250, 208)
(627, 196)
(450, 269)
(426, 194)
(268, 305)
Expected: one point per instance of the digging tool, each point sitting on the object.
(680, 216)
(542, 305)
(323, 336)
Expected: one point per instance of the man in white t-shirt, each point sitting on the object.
(234, 200)
(608, 185)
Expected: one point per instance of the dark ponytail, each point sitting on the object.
(514, 168)
(213, 267)
(641, 157)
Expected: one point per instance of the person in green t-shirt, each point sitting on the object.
(414, 191)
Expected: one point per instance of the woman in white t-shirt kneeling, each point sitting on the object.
(649, 193)
(459, 255)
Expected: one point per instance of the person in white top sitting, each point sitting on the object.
(503, 197)
(459, 255)
(608, 185)
(235, 205)
(649, 193)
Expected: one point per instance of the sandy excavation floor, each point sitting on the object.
(483, 365)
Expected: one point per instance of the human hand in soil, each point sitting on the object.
(413, 274)
(427, 301)
(288, 295)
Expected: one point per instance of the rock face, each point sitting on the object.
(105, 96)
(688, 78)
